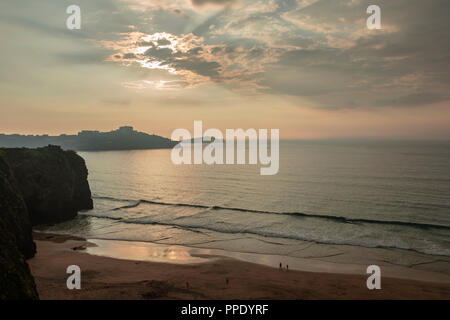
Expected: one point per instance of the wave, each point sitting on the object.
(268, 234)
(338, 219)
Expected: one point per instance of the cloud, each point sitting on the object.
(318, 49)
(188, 57)
(338, 63)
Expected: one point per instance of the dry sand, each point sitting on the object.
(109, 278)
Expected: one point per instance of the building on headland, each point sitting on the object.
(87, 133)
(125, 129)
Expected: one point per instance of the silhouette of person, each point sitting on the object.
(281, 266)
(187, 285)
(227, 281)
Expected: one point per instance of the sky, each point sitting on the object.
(310, 68)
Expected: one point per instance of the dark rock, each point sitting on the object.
(13, 210)
(45, 185)
(16, 281)
(82, 193)
(53, 182)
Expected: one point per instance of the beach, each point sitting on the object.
(104, 277)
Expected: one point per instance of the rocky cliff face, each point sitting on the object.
(53, 182)
(37, 186)
(82, 197)
(16, 242)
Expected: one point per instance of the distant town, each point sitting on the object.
(124, 138)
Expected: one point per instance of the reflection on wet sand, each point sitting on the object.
(142, 251)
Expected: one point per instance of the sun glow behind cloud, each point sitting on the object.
(300, 48)
(188, 57)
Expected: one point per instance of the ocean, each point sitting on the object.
(364, 194)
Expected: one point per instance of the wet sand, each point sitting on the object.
(112, 278)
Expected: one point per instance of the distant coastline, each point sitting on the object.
(124, 138)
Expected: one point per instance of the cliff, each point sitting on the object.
(16, 242)
(53, 182)
(37, 186)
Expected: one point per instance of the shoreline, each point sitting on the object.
(105, 277)
(300, 256)
(182, 254)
